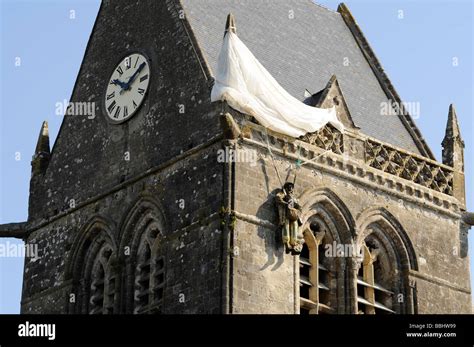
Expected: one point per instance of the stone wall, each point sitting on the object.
(188, 192)
(100, 171)
(264, 277)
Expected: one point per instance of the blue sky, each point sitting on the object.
(417, 52)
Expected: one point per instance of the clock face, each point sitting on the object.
(127, 87)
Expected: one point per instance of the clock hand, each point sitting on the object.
(132, 78)
(120, 83)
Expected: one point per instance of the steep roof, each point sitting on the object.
(302, 45)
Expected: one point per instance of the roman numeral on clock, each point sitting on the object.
(128, 62)
(111, 95)
(143, 78)
(134, 104)
(117, 112)
(111, 106)
(119, 70)
(141, 91)
(125, 111)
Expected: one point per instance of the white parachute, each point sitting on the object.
(248, 87)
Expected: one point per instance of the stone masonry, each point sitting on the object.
(105, 189)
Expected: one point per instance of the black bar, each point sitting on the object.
(256, 329)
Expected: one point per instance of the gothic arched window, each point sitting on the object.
(145, 263)
(149, 273)
(381, 281)
(327, 224)
(314, 276)
(102, 283)
(93, 269)
(373, 281)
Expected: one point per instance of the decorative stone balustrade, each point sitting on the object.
(409, 166)
(328, 138)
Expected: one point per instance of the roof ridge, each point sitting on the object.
(383, 79)
(322, 6)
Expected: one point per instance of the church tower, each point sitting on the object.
(160, 201)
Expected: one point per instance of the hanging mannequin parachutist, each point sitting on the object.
(289, 212)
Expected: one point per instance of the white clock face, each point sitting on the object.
(127, 87)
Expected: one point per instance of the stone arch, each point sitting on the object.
(325, 200)
(379, 228)
(323, 208)
(141, 240)
(93, 241)
(380, 216)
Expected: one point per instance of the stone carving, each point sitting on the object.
(409, 167)
(328, 138)
(356, 262)
(289, 212)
